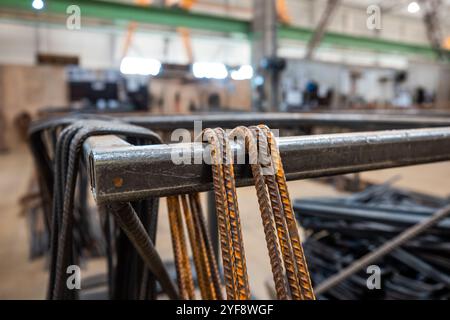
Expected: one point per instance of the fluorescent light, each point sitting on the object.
(413, 7)
(37, 4)
(140, 66)
(209, 70)
(243, 73)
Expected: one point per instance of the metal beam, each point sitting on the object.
(357, 42)
(168, 123)
(287, 120)
(120, 172)
(297, 121)
(265, 46)
(181, 18)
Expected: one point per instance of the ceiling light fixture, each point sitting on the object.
(140, 66)
(209, 70)
(245, 72)
(37, 4)
(413, 7)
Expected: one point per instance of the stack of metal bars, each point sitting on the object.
(342, 230)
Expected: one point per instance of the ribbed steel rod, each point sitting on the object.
(120, 171)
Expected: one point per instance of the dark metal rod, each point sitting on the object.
(361, 120)
(123, 172)
(348, 213)
(288, 120)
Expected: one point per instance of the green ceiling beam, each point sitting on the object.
(181, 18)
(126, 12)
(356, 42)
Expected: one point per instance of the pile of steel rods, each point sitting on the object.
(344, 232)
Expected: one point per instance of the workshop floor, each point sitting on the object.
(22, 279)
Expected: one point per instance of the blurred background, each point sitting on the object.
(210, 56)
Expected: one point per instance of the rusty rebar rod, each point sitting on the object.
(243, 290)
(266, 211)
(302, 269)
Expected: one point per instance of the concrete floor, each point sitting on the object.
(22, 279)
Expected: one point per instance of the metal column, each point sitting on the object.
(264, 48)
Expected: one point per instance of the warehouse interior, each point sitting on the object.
(343, 104)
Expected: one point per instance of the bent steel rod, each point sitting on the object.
(120, 171)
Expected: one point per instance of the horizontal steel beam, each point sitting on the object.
(168, 123)
(122, 172)
(288, 120)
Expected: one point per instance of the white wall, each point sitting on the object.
(23, 42)
(98, 48)
(350, 17)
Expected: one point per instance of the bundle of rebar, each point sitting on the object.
(404, 234)
(206, 269)
(135, 220)
(290, 273)
(133, 264)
